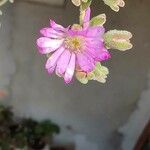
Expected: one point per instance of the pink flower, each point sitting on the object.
(72, 47)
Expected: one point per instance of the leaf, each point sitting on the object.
(81, 77)
(99, 74)
(116, 39)
(98, 20)
(76, 2)
(115, 4)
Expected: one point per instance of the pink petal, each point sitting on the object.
(87, 15)
(63, 62)
(95, 44)
(94, 47)
(48, 45)
(56, 26)
(70, 69)
(87, 18)
(104, 55)
(45, 50)
(98, 54)
(52, 60)
(85, 63)
(90, 58)
(93, 53)
(51, 33)
(95, 32)
(51, 70)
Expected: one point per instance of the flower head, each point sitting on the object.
(72, 48)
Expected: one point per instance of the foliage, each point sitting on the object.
(23, 132)
(115, 39)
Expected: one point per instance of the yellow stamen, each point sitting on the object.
(75, 44)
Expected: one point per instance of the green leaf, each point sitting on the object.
(98, 20)
(76, 2)
(116, 39)
(115, 4)
(99, 74)
(81, 77)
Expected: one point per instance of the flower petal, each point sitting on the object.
(95, 31)
(63, 62)
(104, 55)
(48, 45)
(87, 17)
(45, 50)
(51, 70)
(70, 69)
(56, 26)
(84, 63)
(98, 54)
(94, 43)
(51, 33)
(52, 60)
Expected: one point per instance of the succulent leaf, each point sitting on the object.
(99, 74)
(98, 20)
(118, 39)
(115, 4)
(76, 2)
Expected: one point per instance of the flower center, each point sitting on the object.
(75, 43)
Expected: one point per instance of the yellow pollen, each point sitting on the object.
(75, 44)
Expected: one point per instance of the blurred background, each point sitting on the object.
(96, 116)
